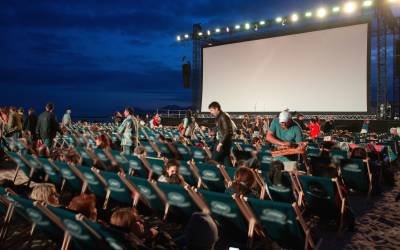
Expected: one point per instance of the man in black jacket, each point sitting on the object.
(225, 133)
(31, 122)
(47, 126)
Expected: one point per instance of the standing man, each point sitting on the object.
(225, 133)
(128, 132)
(31, 122)
(47, 126)
(67, 121)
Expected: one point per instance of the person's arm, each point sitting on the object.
(272, 139)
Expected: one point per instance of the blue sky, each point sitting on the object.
(99, 56)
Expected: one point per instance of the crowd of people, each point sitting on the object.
(283, 131)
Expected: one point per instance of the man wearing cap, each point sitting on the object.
(285, 132)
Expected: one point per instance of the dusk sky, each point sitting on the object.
(99, 56)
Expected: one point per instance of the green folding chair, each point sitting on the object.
(181, 205)
(356, 174)
(211, 177)
(283, 223)
(323, 197)
(184, 151)
(52, 171)
(232, 225)
(136, 167)
(199, 155)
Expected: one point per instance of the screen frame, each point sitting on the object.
(295, 31)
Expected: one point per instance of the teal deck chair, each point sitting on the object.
(199, 155)
(156, 165)
(181, 205)
(119, 192)
(82, 237)
(232, 225)
(149, 149)
(211, 177)
(136, 167)
(184, 151)
(282, 193)
(320, 195)
(20, 164)
(52, 171)
(70, 177)
(86, 159)
(356, 174)
(187, 173)
(151, 195)
(36, 216)
(282, 223)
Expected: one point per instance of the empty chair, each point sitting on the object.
(356, 174)
(283, 223)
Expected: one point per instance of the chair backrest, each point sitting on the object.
(136, 166)
(119, 191)
(225, 210)
(86, 159)
(113, 239)
(355, 174)
(211, 177)
(94, 183)
(147, 190)
(199, 155)
(69, 176)
(180, 203)
(28, 210)
(282, 193)
(320, 195)
(187, 173)
(183, 151)
(149, 149)
(279, 221)
(20, 163)
(312, 151)
(82, 237)
(52, 171)
(157, 165)
(339, 154)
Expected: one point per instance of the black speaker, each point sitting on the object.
(186, 75)
(397, 59)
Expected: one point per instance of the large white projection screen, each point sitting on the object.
(318, 71)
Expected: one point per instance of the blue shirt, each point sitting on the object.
(291, 134)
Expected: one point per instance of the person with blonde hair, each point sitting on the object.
(45, 192)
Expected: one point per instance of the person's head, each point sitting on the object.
(246, 116)
(84, 204)
(102, 141)
(285, 119)
(214, 108)
(45, 192)
(188, 113)
(140, 151)
(201, 232)
(68, 111)
(49, 107)
(128, 111)
(256, 141)
(316, 118)
(300, 116)
(241, 163)
(244, 180)
(21, 110)
(127, 219)
(31, 111)
(13, 109)
(172, 168)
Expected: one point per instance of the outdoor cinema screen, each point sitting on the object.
(318, 71)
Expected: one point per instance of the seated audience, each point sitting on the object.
(171, 174)
(45, 192)
(201, 232)
(84, 204)
(244, 183)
